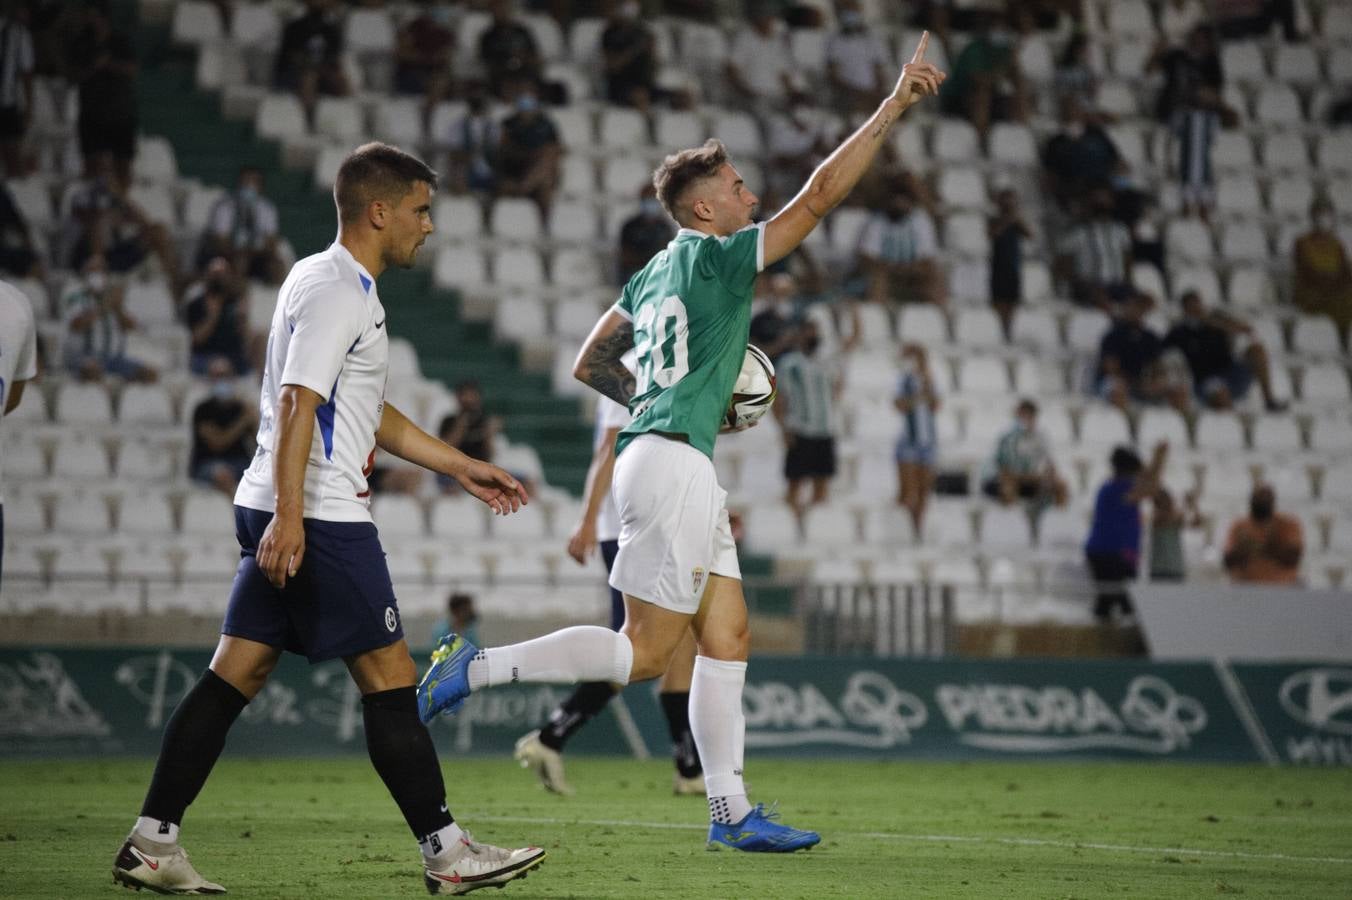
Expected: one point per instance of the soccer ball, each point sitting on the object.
(752, 393)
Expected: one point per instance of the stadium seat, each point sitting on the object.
(1335, 488)
(156, 203)
(78, 458)
(1005, 529)
(520, 527)
(1286, 151)
(807, 49)
(340, 119)
(548, 35)
(948, 524)
(574, 222)
(1217, 431)
(1316, 336)
(196, 22)
(922, 324)
(983, 375)
(145, 404)
(1035, 58)
(154, 160)
(1296, 64)
(1036, 329)
(398, 518)
(255, 25)
(459, 267)
(84, 404)
(1278, 105)
(1242, 61)
(887, 525)
(1131, 144)
(978, 327)
(830, 527)
(836, 571)
(771, 528)
(1130, 18)
(518, 267)
(1188, 239)
(623, 130)
(965, 235)
(576, 269)
(81, 512)
(969, 281)
(679, 128)
(521, 318)
(1331, 434)
(1232, 151)
(458, 518)
(623, 176)
(875, 326)
(143, 460)
(327, 163)
(1238, 196)
(846, 225)
(207, 513)
(1013, 144)
(956, 141)
(1085, 330)
(1118, 98)
(280, 117)
(1202, 279)
(1290, 198)
(1324, 384)
(25, 457)
(1276, 433)
(457, 218)
(198, 201)
(1334, 151)
(1160, 424)
(1244, 242)
(739, 131)
(1292, 484)
(515, 219)
(398, 120)
(962, 188)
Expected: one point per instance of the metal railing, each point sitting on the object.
(848, 619)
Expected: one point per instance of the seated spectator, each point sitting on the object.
(1205, 339)
(1321, 273)
(218, 320)
(985, 83)
(19, 255)
(1008, 230)
(423, 57)
(242, 227)
(796, 143)
(310, 56)
(629, 57)
(760, 69)
(858, 65)
(16, 85)
(1167, 521)
(1264, 547)
(1113, 548)
(1081, 157)
(223, 429)
(1022, 467)
(474, 141)
(529, 154)
(470, 429)
(808, 389)
(918, 445)
(101, 60)
(1130, 365)
(898, 252)
(1194, 64)
(644, 234)
(105, 222)
(508, 53)
(1075, 80)
(1093, 257)
(97, 326)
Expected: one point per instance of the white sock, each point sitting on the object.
(155, 830)
(439, 842)
(580, 653)
(719, 728)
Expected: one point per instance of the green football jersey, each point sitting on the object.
(691, 309)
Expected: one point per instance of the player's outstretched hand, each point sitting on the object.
(582, 543)
(281, 549)
(503, 493)
(918, 78)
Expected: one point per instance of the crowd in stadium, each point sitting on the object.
(1120, 229)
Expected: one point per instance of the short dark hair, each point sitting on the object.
(1026, 405)
(376, 171)
(680, 170)
(1125, 462)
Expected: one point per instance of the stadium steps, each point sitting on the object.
(211, 149)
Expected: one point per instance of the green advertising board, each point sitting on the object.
(56, 701)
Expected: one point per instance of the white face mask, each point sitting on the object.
(1324, 221)
(96, 281)
(628, 10)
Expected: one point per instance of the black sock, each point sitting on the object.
(192, 742)
(579, 709)
(402, 752)
(676, 705)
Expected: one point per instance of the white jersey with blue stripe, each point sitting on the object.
(328, 335)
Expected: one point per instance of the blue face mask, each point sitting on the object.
(851, 19)
(248, 193)
(222, 390)
(440, 14)
(527, 103)
(650, 207)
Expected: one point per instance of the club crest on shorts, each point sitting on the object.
(391, 620)
(697, 578)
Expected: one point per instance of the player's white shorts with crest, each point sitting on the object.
(674, 529)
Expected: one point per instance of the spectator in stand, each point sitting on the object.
(1080, 158)
(773, 313)
(1322, 275)
(218, 321)
(760, 69)
(1008, 230)
(1113, 549)
(16, 84)
(1075, 79)
(1167, 522)
(102, 62)
(423, 57)
(1193, 131)
(105, 222)
(1241, 19)
(1265, 546)
(461, 618)
(1195, 64)
(1130, 366)
(474, 142)
(1205, 338)
(97, 326)
(808, 388)
(223, 429)
(509, 54)
(1179, 17)
(918, 445)
(985, 83)
(858, 65)
(310, 56)
(797, 143)
(1094, 255)
(898, 252)
(644, 234)
(19, 256)
(529, 154)
(629, 55)
(1022, 467)
(470, 429)
(242, 227)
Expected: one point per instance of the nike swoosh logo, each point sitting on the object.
(153, 863)
(380, 324)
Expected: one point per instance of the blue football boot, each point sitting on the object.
(446, 685)
(760, 833)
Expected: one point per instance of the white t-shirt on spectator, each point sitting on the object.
(18, 350)
(1097, 249)
(762, 60)
(907, 240)
(856, 57)
(328, 334)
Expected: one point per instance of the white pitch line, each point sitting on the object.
(935, 839)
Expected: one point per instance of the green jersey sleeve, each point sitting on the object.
(737, 259)
(625, 305)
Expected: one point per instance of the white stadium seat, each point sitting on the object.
(1296, 64)
(279, 117)
(830, 527)
(459, 518)
(515, 219)
(948, 523)
(978, 327)
(1331, 433)
(1189, 239)
(1290, 197)
(1085, 330)
(1238, 195)
(1286, 151)
(1232, 150)
(1157, 424)
(1250, 287)
(398, 120)
(624, 130)
(1013, 144)
(1277, 433)
(339, 119)
(80, 459)
(521, 318)
(679, 128)
(962, 188)
(922, 324)
(1278, 105)
(1006, 529)
(145, 404)
(771, 528)
(1324, 384)
(518, 267)
(1036, 329)
(1244, 242)
(955, 141)
(1315, 336)
(1242, 61)
(196, 22)
(369, 31)
(739, 131)
(1334, 151)
(459, 267)
(1217, 431)
(84, 404)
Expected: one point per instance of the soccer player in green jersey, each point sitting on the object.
(686, 314)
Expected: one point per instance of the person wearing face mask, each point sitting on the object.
(217, 316)
(857, 62)
(808, 389)
(643, 234)
(629, 56)
(1022, 467)
(223, 428)
(310, 56)
(1081, 158)
(917, 447)
(508, 53)
(423, 57)
(529, 154)
(1264, 547)
(97, 326)
(1322, 274)
(242, 226)
(898, 252)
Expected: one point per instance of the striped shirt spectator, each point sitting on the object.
(1094, 256)
(1194, 132)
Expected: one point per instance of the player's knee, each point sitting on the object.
(650, 659)
(730, 644)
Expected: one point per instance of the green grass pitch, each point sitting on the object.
(326, 828)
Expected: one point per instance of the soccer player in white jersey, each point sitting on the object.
(687, 316)
(312, 577)
(18, 366)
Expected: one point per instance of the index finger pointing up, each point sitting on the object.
(919, 55)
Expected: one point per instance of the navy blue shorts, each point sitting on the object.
(608, 551)
(340, 603)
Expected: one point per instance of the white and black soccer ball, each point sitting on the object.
(753, 392)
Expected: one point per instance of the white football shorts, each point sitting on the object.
(674, 529)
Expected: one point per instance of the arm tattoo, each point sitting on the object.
(882, 127)
(604, 372)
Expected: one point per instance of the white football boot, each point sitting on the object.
(469, 866)
(546, 762)
(162, 868)
(688, 787)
